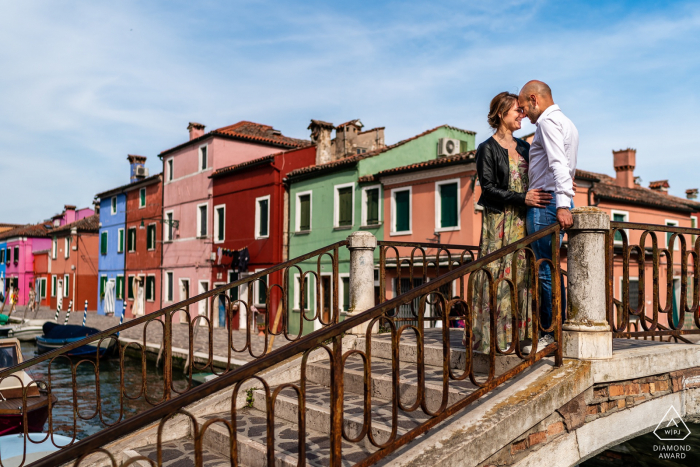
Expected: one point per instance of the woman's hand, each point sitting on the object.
(537, 198)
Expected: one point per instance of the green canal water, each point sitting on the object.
(63, 420)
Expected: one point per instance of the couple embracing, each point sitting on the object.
(524, 188)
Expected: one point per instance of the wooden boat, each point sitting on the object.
(27, 330)
(15, 447)
(11, 388)
(56, 336)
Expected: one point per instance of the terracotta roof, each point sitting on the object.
(643, 197)
(4, 224)
(119, 189)
(462, 158)
(144, 182)
(248, 131)
(29, 230)
(244, 165)
(659, 184)
(347, 161)
(86, 224)
(593, 176)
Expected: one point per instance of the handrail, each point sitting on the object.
(334, 333)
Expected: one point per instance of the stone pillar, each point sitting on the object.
(587, 335)
(361, 245)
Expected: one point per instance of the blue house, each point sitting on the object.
(112, 251)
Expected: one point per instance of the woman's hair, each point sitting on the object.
(499, 106)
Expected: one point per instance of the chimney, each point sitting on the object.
(321, 136)
(137, 170)
(196, 130)
(660, 186)
(624, 161)
(69, 213)
(691, 193)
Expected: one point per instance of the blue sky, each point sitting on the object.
(83, 84)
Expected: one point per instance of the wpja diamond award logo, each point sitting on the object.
(671, 428)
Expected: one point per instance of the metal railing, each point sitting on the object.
(329, 341)
(140, 387)
(632, 263)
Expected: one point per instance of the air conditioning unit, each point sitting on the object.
(448, 147)
(141, 172)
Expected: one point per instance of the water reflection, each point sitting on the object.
(110, 406)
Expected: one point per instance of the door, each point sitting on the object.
(139, 302)
(203, 305)
(59, 294)
(219, 308)
(327, 293)
(184, 295)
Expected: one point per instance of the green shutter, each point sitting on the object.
(463, 146)
(373, 206)
(220, 217)
(305, 212)
(142, 197)
(618, 218)
(53, 286)
(103, 243)
(346, 293)
(66, 285)
(344, 206)
(120, 241)
(130, 287)
(448, 205)
(264, 207)
(103, 286)
(262, 291)
(402, 200)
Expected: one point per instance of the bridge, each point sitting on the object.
(392, 383)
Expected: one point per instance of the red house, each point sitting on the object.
(251, 214)
(144, 234)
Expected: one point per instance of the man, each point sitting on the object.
(552, 168)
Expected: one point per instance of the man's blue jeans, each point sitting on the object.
(538, 219)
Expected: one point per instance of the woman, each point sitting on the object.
(501, 164)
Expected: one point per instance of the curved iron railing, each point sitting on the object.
(329, 341)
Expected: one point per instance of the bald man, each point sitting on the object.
(553, 154)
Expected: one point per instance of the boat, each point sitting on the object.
(13, 448)
(11, 388)
(56, 336)
(201, 378)
(27, 330)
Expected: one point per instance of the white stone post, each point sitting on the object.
(587, 334)
(361, 245)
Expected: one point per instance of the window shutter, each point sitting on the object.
(403, 211)
(346, 293)
(305, 212)
(373, 207)
(142, 196)
(103, 243)
(220, 217)
(202, 221)
(66, 285)
(448, 205)
(151, 237)
(345, 206)
(130, 287)
(263, 219)
(618, 218)
(103, 285)
(120, 287)
(120, 241)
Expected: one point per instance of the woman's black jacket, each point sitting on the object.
(493, 169)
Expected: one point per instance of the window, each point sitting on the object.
(120, 242)
(9, 255)
(53, 286)
(120, 287)
(634, 293)
(114, 204)
(169, 226)
(2, 255)
(66, 285)
(303, 212)
(66, 244)
(401, 211)
(370, 205)
(169, 286)
(219, 223)
(54, 249)
(693, 224)
(203, 158)
(150, 237)
(42, 287)
(233, 291)
(151, 288)
(131, 239)
(447, 205)
(103, 286)
(262, 217)
(297, 292)
(261, 295)
(142, 198)
(620, 216)
(202, 220)
(345, 291)
(670, 223)
(16, 255)
(130, 288)
(169, 165)
(103, 243)
(344, 202)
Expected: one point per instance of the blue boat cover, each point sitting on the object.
(54, 330)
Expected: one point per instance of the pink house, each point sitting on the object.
(189, 216)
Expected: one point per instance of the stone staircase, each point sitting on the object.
(251, 420)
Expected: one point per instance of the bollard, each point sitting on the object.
(587, 334)
(361, 245)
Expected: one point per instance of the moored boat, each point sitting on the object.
(11, 390)
(56, 336)
(27, 330)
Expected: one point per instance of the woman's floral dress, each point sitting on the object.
(497, 231)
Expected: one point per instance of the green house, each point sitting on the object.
(330, 201)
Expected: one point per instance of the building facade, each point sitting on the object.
(188, 200)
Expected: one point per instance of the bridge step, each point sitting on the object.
(252, 441)
(178, 453)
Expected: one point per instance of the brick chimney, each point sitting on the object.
(196, 130)
(321, 136)
(660, 186)
(136, 162)
(69, 213)
(691, 193)
(624, 162)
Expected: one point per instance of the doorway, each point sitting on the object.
(184, 295)
(327, 298)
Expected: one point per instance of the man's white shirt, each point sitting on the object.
(553, 154)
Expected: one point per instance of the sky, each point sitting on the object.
(83, 84)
